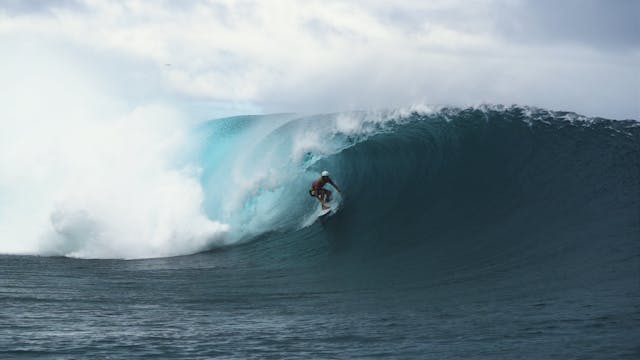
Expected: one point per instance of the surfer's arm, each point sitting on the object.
(334, 185)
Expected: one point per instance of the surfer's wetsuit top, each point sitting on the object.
(315, 187)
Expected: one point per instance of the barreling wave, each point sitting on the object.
(422, 187)
(492, 190)
(453, 191)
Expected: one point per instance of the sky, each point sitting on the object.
(214, 58)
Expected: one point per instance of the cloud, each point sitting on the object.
(38, 7)
(319, 56)
(598, 24)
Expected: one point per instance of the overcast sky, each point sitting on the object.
(219, 58)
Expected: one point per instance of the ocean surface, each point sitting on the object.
(485, 233)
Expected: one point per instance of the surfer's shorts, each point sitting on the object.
(315, 190)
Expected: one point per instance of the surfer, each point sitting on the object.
(317, 189)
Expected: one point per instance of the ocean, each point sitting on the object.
(490, 232)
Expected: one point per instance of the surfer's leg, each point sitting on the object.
(321, 197)
(327, 195)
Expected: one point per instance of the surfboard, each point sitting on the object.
(325, 212)
(321, 215)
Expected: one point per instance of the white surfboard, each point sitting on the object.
(324, 212)
(320, 214)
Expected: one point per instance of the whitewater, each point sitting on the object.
(145, 185)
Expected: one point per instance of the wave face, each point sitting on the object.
(439, 190)
(453, 192)
(488, 191)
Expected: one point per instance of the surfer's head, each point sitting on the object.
(325, 174)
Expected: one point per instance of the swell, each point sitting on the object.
(485, 191)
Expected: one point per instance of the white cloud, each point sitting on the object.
(318, 56)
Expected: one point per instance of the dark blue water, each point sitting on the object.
(492, 234)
